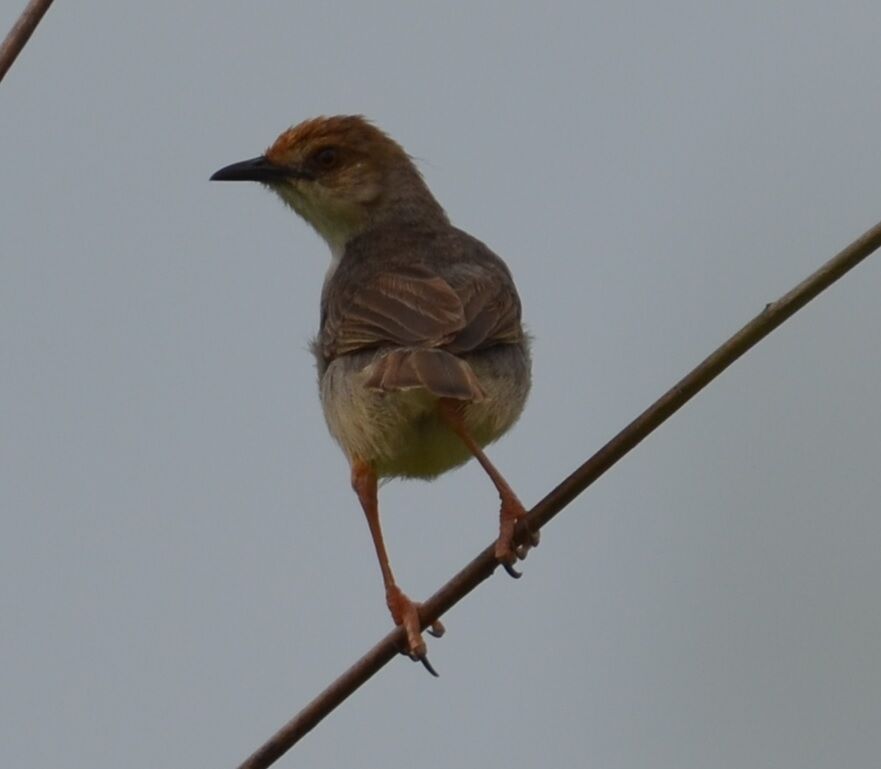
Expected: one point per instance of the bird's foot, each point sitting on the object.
(405, 613)
(507, 550)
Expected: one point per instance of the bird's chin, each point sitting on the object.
(288, 190)
(336, 221)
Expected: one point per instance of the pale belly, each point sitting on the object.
(401, 434)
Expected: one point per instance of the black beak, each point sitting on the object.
(258, 169)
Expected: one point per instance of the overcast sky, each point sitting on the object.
(182, 562)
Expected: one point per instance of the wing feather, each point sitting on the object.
(416, 307)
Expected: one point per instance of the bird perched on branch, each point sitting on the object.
(422, 358)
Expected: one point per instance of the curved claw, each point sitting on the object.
(427, 665)
(436, 629)
(512, 572)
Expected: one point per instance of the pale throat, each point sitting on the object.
(336, 221)
(336, 255)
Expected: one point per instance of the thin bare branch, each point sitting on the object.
(21, 32)
(484, 564)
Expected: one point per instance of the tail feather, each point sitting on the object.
(441, 373)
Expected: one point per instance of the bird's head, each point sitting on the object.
(342, 175)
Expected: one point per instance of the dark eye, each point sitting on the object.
(327, 157)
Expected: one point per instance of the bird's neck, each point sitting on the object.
(407, 202)
(414, 214)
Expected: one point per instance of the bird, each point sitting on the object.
(421, 353)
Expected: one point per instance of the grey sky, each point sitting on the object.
(182, 563)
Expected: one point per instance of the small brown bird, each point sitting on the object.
(422, 358)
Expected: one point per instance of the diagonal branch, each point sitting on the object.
(483, 565)
(20, 33)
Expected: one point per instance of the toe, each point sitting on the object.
(437, 628)
(506, 556)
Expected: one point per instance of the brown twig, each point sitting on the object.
(21, 32)
(484, 564)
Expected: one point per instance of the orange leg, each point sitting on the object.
(404, 611)
(511, 510)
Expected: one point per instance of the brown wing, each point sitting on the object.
(415, 307)
(492, 314)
